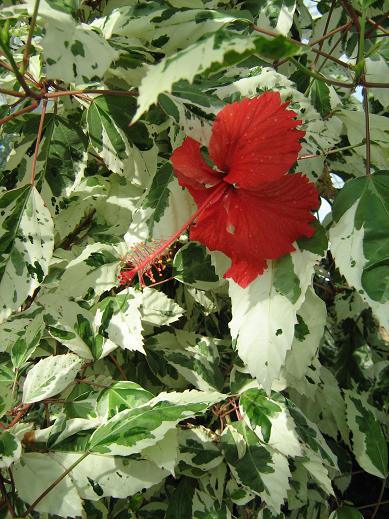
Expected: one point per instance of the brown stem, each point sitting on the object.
(327, 35)
(26, 53)
(12, 93)
(24, 110)
(352, 13)
(30, 509)
(367, 129)
(325, 30)
(51, 95)
(382, 18)
(120, 369)
(19, 416)
(28, 77)
(38, 141)
(379, 501)
(86, 381)
(374, 85)
(84, 224)
(6, 497)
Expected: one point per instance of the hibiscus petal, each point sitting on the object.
(255, 140)
(253, 227)
(190, 167)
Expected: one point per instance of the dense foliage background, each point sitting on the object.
(193, 397)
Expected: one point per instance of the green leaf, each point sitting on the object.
(131, 431)
(346, 512)
(360, 239)
(10, 449)
(120, 396)
(180, 503)
(50, 376)
(258, 408)
(26, 246)
(320, 95)
(369, 444)
(192, 265)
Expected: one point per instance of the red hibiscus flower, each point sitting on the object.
(249, 207)
(260, 210)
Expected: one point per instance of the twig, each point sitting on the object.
(86, 381)
(367, 130)
(327, 35)
(26, 53)
(38, 141)
(24, 110)
(30, 509)
(379, 501)
(374, 85)
(331, 152)
(325, 31)
(68, 240)
(303, 45)
(6, 497)
(12, 93)
(19, 416)
(120, 369)
(124, 93)
(28, 76)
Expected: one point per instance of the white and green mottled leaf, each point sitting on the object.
(312, 439)
(309, 329)
(99, 476)
(271, 421)
(21, 332)
(120, 396)
(359, 239)
(192, 265)
(96, 268)
(158, 309)
(204, 506)
(131, 431)
(108, 118)
(194, 357)
(368, 441)
(276, 15)
(50, 376)
(78, 329)
(198, 452)
(264, 314)
(164, 29)
(76, 53)
(63, 500)
(209, 53)
(26, 246)
(255, 466)
(119, 319)
(165, 452)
